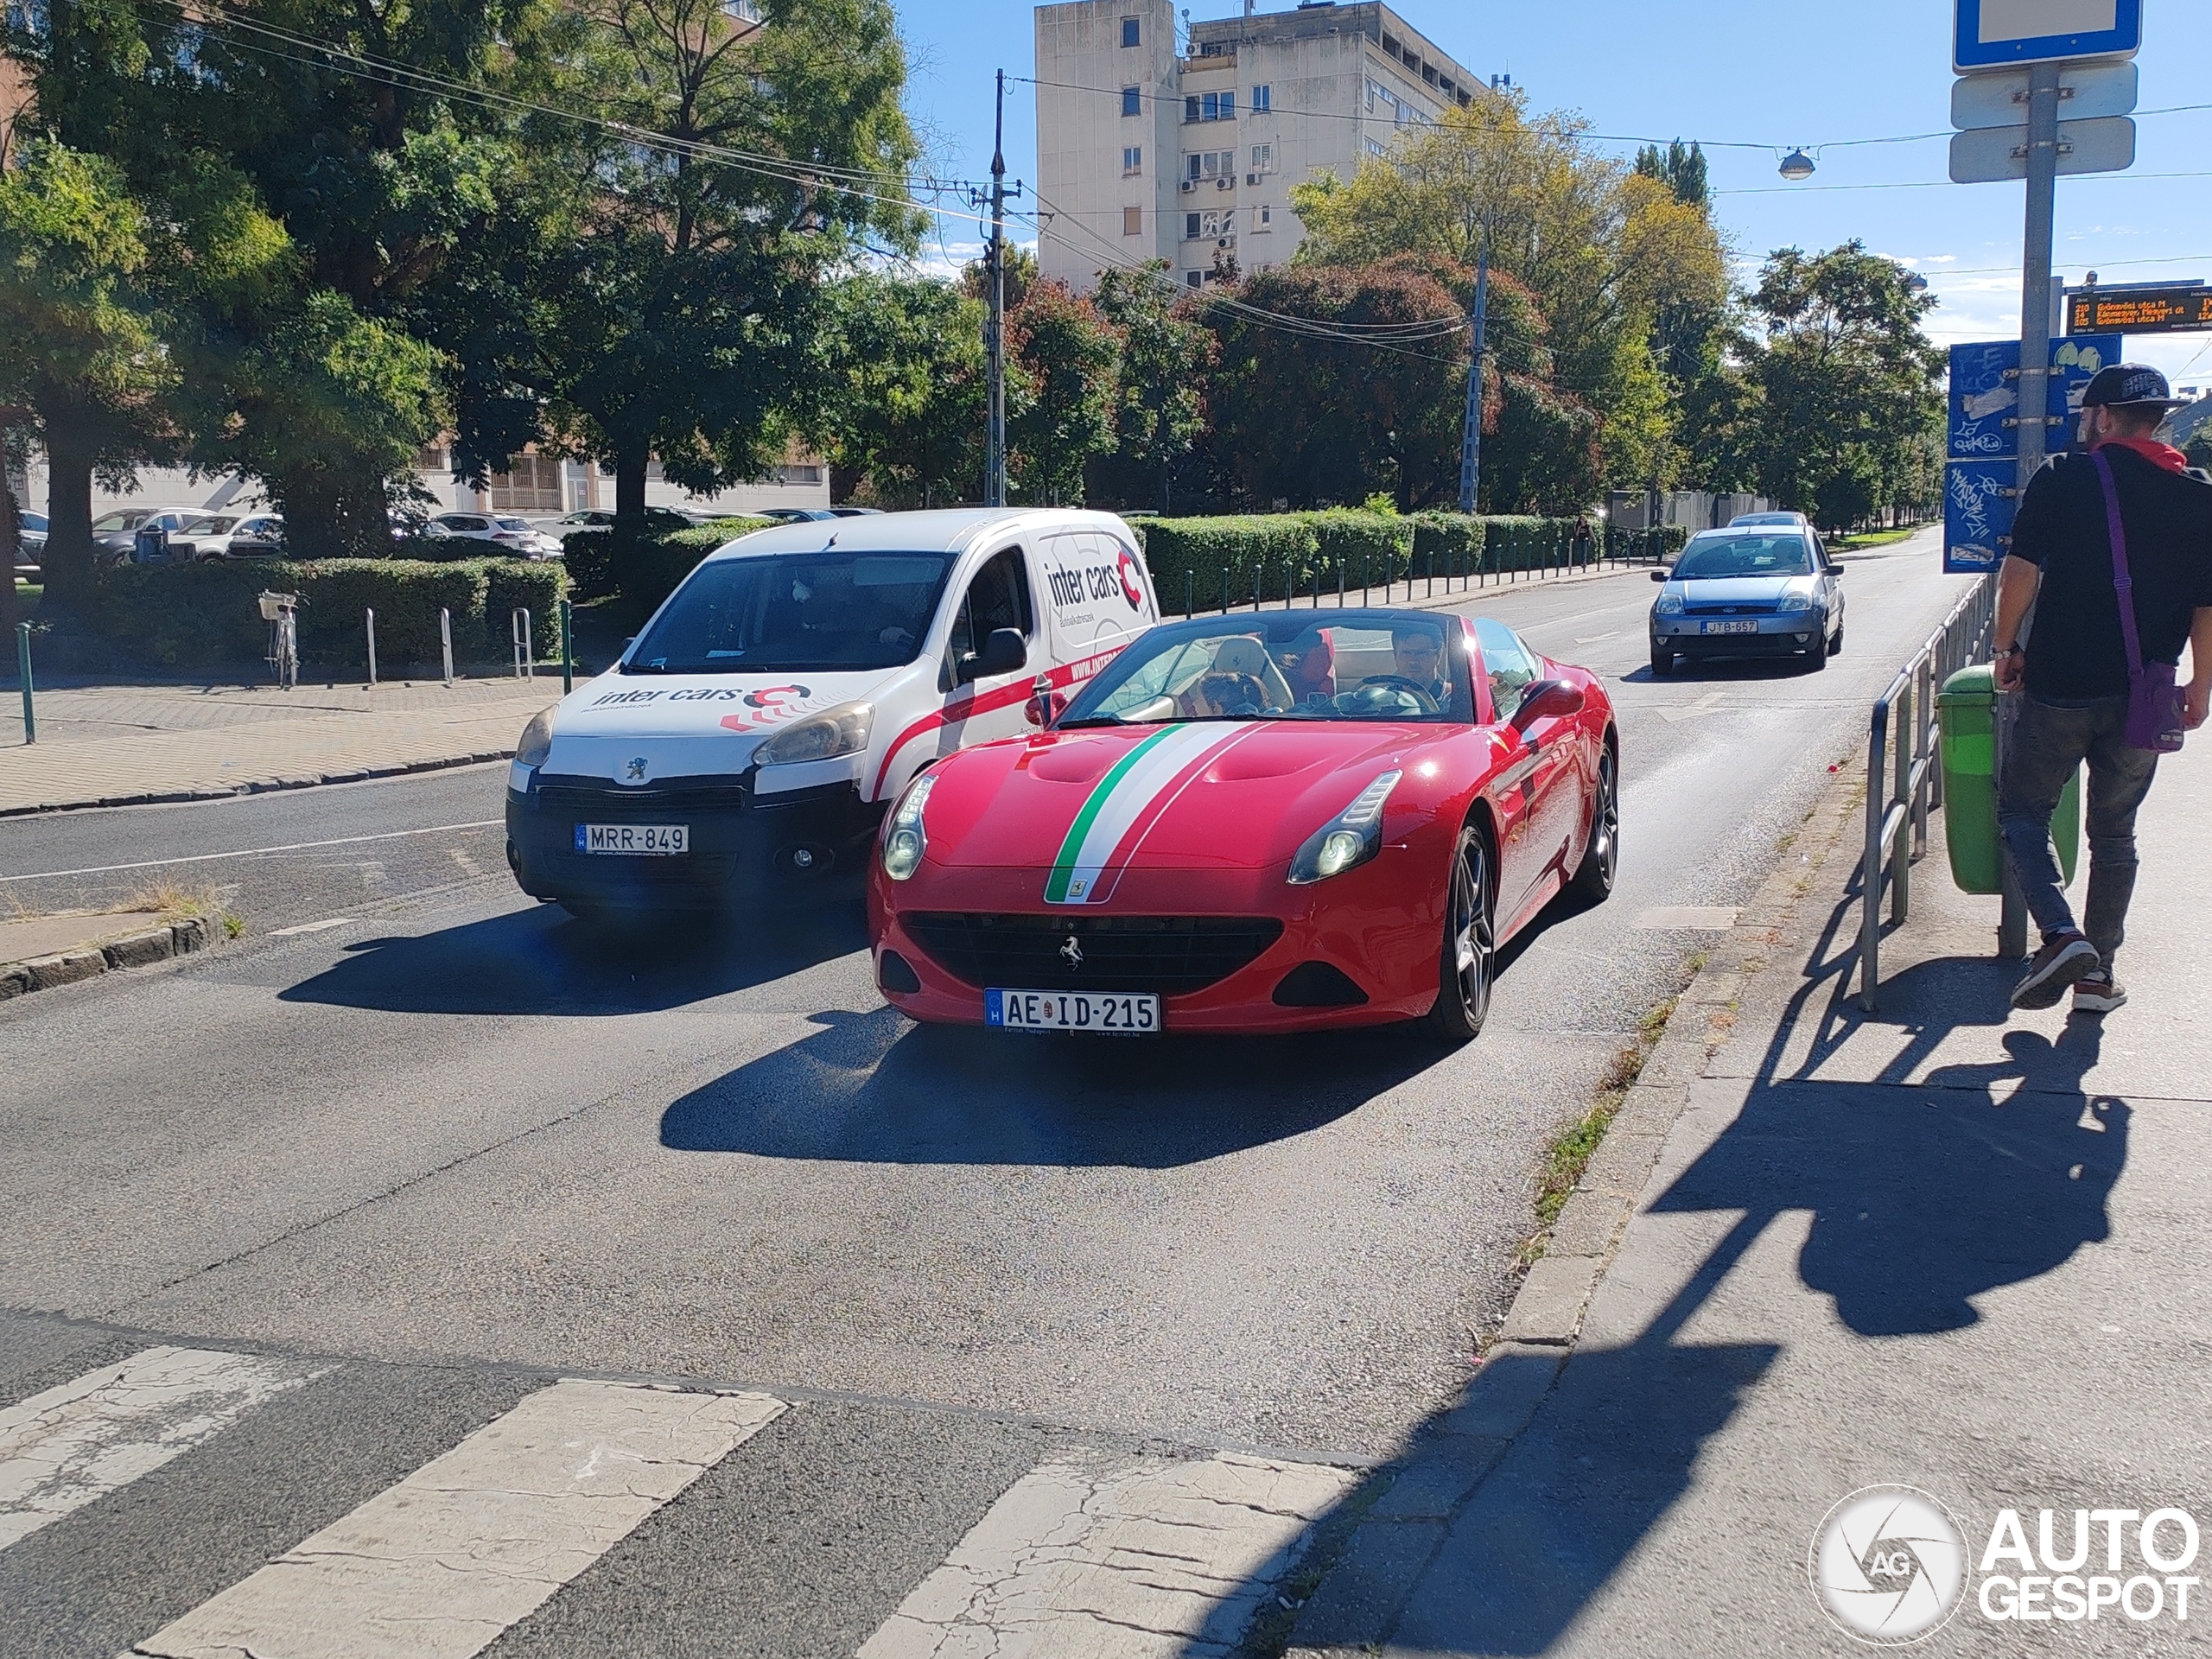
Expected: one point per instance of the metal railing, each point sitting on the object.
(1903, 777)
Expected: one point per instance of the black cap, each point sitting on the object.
(2130, 384)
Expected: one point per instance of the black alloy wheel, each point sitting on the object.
(1662, 661)
(1601, 856)
(1468, 963)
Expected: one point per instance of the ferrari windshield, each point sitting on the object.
(785, 613)
(1718, 557)
(1283, 665)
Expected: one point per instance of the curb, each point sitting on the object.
(261, 786)
(1363, 1593)
(141, 949)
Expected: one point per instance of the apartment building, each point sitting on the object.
(1151, 146)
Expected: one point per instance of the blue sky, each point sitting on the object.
(1806, 73)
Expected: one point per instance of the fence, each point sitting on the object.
(1510, 554)
(1904, 778)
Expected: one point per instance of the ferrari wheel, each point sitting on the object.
(1470, 956)
(1601, 856)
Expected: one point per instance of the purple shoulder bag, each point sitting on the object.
(2154, 703)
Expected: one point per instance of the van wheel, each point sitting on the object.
(1468, 963)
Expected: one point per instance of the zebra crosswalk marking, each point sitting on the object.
(71, 1444)
(1091, 1555)
(437, 1565)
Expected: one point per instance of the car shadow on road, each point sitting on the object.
(874, 1087)
(1517, 1505)
(539, 961)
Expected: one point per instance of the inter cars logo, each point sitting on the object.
(1087, 583)
(771, 705)
(1132, 590)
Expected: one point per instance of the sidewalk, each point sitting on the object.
(124, 745)
(1942, 1245)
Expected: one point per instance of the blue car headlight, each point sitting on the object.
(1351, 838)
(1669, 604)
(1795, 599)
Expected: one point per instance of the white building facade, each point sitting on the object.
(1149, 147)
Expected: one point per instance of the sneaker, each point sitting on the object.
(2098, 993)
(2065, 958)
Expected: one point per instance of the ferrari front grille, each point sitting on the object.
(1170, 955)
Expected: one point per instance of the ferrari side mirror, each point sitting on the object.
(1547, 700)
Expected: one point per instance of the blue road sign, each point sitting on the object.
(1997, 34)
(1979, 500)
(1986, 392)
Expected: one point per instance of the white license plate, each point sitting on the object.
(1110, 1014)
(634, 840)
(1731, 628)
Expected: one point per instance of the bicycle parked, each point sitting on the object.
(280, 612)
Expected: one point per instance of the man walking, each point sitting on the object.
(2077, 670)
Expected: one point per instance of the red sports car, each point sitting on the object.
(1275, 821)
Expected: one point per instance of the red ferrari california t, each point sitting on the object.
(1273, 821)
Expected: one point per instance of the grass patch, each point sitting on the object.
(172, 899)
(234, 925)
(1874, 538)
(1569, 1153)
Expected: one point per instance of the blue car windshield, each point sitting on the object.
(1724, 557)
(786, 612)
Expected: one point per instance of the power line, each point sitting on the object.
(1937, 184)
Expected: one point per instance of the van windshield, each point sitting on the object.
(783, 613)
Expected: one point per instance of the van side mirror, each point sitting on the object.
(1547, 700)
(1659, 576)
(1005, 651)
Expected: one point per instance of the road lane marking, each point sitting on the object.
(75, 1443)
(1134, 1557)
(1595, 637)
(439, 1565)
(254, 852)
(310, 927)
(1694, 919)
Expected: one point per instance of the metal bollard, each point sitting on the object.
(371, 625)
(525, 645)
(1224, 590)
(24, 672)
(1190, 592)
(445, 641)
(568, 653)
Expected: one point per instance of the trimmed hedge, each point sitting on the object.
(645, 568)
(203, 614)
(1192, 558)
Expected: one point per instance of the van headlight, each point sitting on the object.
(537, 737)
(1670, 604)
(1352, 837)
(841, 730)
(905, 840)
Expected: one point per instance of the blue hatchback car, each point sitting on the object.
(1748, 591)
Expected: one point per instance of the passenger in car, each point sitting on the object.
(1309, 666)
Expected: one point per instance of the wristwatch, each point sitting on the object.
(2014, 651)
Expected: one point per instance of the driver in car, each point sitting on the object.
(1418, 657)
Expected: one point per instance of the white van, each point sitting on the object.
(747, 744)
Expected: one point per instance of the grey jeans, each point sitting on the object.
(2048, 741)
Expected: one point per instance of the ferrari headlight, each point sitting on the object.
(537, 737)
(905, 840)
(1670, 604)
(841, 730)
(1351, 838)
(1795, 599)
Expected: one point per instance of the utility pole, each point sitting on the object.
(2035, 396)
(994, 327)
(1471, 442)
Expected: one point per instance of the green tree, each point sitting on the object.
(79, 349)
(1849, 386)
(1159, 410)
(900, 394)
(1681, 168)
(689, 319)
(1069, 356)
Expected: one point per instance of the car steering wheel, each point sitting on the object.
(1397, 682)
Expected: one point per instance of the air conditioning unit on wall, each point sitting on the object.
(1189, 185)
(1251, 178)
(1224, 183)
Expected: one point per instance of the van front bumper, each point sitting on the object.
(742, 848)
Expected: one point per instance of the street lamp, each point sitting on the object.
(1797, 165)
(1915, 283)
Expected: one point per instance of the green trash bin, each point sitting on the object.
(1966, 716)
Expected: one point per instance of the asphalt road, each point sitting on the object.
(454, 1129)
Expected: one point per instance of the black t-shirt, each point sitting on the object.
(2076, 649)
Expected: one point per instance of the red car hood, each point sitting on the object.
(1202, 795)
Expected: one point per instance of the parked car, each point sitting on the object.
(114, 535)
(256, 535)
(795, 515)
(1766, 591)
(1751, 520)
(745, 746)
(656, 519)
(1282, 821)
(509, 534)
(854, 512)
(207, 537)
(30, 540)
